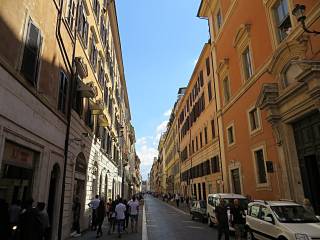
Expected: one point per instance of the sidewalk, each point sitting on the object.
(127, 236)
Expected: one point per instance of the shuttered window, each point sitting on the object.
(30, 60)
(63, 92)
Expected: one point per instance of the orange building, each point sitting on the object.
(199, 143)
(267, 84)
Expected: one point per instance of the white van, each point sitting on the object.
(213, 201)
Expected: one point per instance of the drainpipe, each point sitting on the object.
(73, 78)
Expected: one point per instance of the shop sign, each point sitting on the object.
(18, 156)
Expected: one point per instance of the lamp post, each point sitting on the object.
(298, 12)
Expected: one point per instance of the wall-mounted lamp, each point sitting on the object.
(298, 12)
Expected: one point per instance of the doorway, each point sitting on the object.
(55, 174)
(310, 180)
(235, 176)
(307, 140)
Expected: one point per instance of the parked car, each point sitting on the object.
(213, 200)
(281, 220)
(199, 210)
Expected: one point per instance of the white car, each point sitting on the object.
(213, 200)
(283, 220)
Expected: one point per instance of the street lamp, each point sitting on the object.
(298, 12)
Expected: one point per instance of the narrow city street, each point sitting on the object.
(167, 222)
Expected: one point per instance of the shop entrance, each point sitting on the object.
(79, 179)
(307, 138)
(17, 172)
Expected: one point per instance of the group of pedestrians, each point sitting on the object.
(24, 221)
(175, 197)
(118, 213)
(237, 219)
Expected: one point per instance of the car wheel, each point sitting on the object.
(250, 235)
(210, 223)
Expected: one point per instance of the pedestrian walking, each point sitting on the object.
(94, 204)
(127, 214)
(76, 209)
(238, 220)
(134, 213)
(101, 213)
(30, 225)
(112, 217)
(177, 198)
(44, 219)
(120, 216)
(222, 220)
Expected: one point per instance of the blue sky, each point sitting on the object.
(161, 41)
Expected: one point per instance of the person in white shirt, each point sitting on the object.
(120, 215)
(94, 204)
(134, 213)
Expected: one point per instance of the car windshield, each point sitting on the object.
(294, 214)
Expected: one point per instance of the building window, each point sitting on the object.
(209, 91)
(260, 166)
(254, 119)
(71, 13)
(226, 90)
(205, 135)
(282, 19)
(219, 19)
(215, 164)
(96, 9)
(201, 143)
(83, 25)
(213, 129)
(247, 66)
(31, 54)
(200, 81)
(63, 92)
(101, 73)
(208, 65)
(105, 96)
(197, 145)
(93, 54)
(230, 135)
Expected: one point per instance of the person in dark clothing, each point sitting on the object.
(112, 219)
(44, 219)
(101, 213)
(30, 225)
(222, 220)
(4, 220)
(127, 214)
(76, 209)
(238, 219)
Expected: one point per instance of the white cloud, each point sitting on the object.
(147, 148)
(167, 113)
(161, 128)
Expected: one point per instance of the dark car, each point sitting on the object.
(199, 210)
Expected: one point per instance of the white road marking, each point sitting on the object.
(144, 224)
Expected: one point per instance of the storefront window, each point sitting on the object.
(17, 172)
